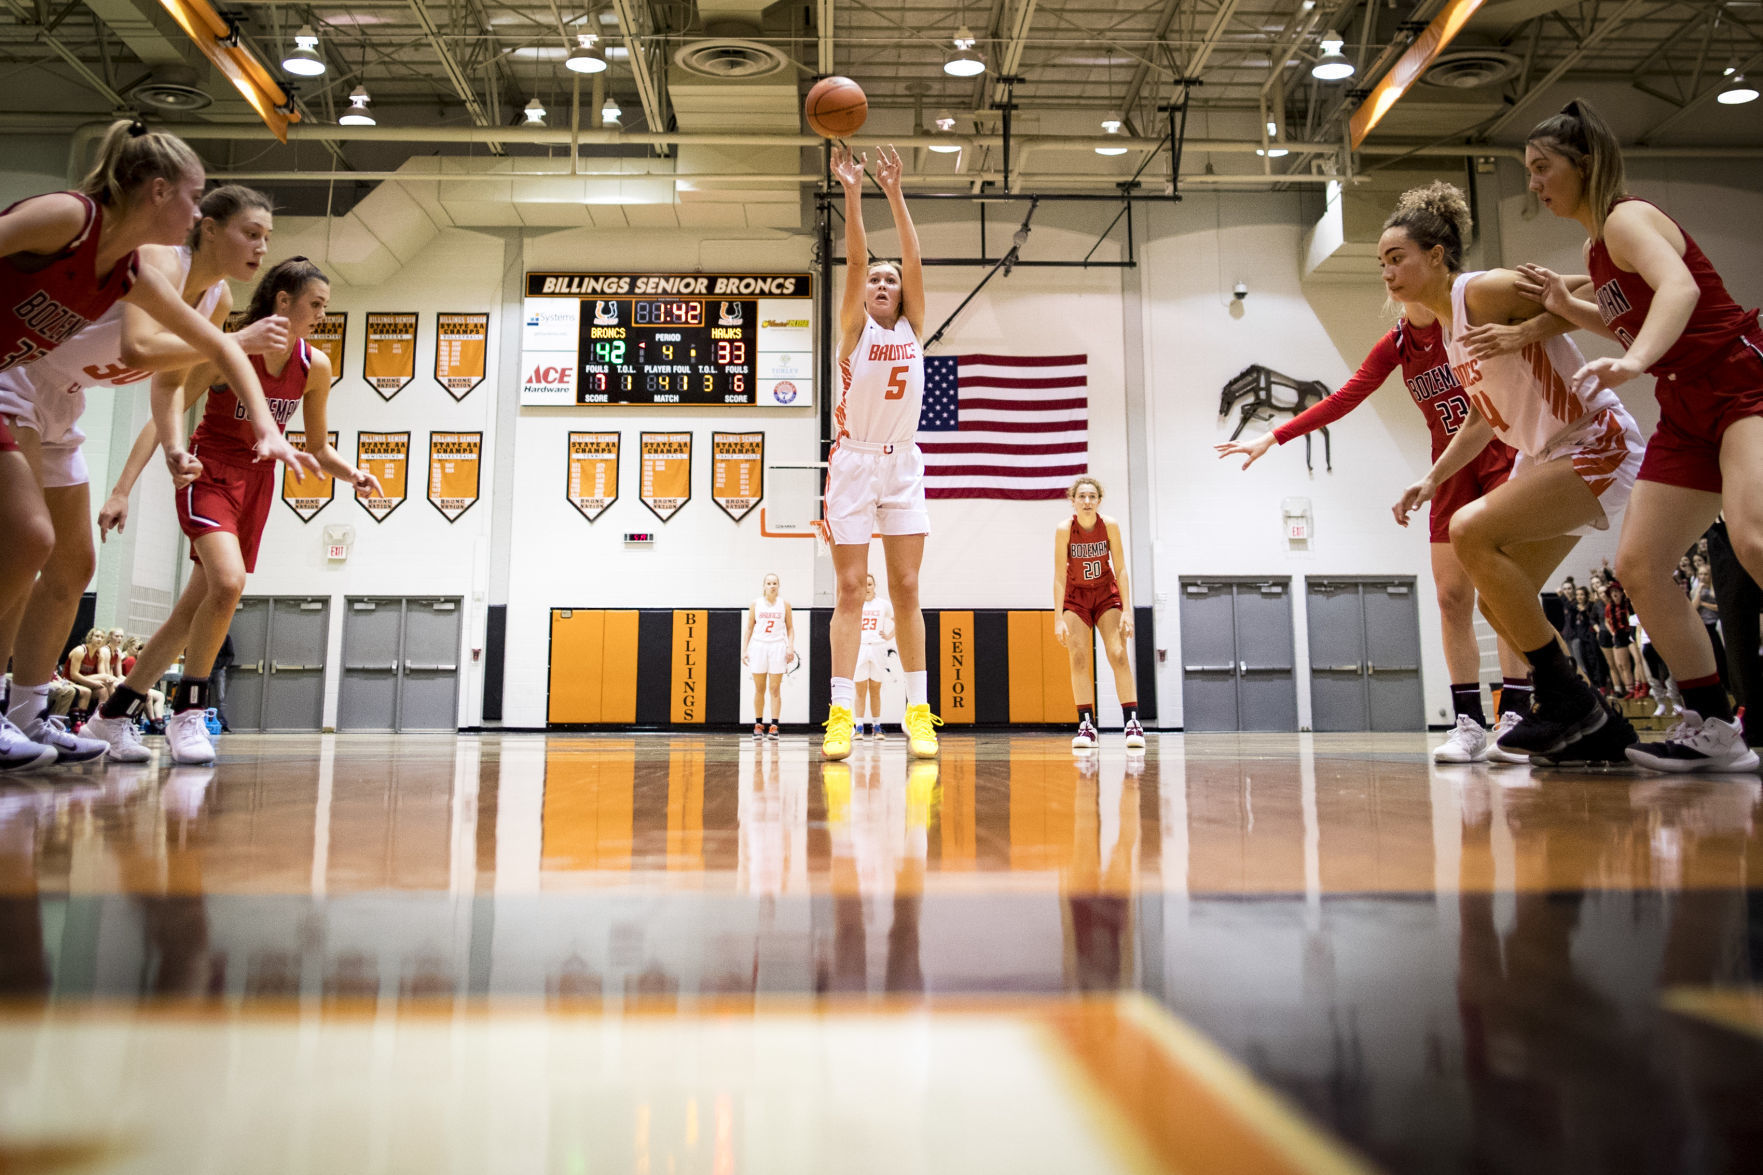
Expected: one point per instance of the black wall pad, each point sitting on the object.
(495, 655)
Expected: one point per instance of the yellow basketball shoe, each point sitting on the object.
(920, 727)
(839, 725)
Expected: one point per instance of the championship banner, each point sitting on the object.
(667, 472)
(454, 461)
(391, 353)
(737, 463)
(462, 344)
(307, 498)
(328, 336)
(593, 472)
(386, 455)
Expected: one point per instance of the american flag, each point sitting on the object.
(1004, 426)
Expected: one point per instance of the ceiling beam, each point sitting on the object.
(1141, 75)
(823, 23)
(648, 88)
(1015, 42)
(1590, 41)
(450, 66)
(28, 18)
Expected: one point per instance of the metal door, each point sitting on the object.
(1392, 654)
(1364, 655)
(1267, 688)
(429, 696)
(1209, 655)
(1339, 698)
(293, 692)
(244, 684)
(368, 695)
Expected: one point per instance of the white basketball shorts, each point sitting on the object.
(872, 661)
(874, 489)
(767, 657)
(54, 417)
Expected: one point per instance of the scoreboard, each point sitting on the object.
(668, 339)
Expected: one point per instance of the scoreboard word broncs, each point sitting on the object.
(699, 339)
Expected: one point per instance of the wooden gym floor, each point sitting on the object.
(696, 953)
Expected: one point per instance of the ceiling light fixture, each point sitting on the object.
(1111, 126)
(1332, 66)
(945, 126)
(586, 57)
(1738, 91)
(303, 59)
(964, 62)
(535, 113)
(611, 112)
(357, 114)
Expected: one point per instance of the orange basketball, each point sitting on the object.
(835, 108)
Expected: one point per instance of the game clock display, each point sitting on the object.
(703, 340)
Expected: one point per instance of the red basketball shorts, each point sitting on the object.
(1490, 469)
(231, 498)
(1090, 602)
(1696, 409)
(7, 443)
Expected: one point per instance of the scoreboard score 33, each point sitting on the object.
(737, 340)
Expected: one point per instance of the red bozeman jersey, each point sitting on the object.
(1426, 372)
(225, 433)
(47, 299)
(1088, 563)
(1624, 298)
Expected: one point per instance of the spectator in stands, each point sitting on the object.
(1740, 601)
(1701, 592)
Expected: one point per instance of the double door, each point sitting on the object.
(1236, 646)
(400, 664)
(277, 678)
(1364, 654)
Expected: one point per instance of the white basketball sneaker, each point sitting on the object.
(1135, 736)
(186, 733)
(122, 737)
(1698, 744)
(1499, 754)
(1086, 737)
(1468, 743)
(52, 731)
(18, 753)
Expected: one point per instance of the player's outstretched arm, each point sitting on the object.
(888, 173)
(849, 170)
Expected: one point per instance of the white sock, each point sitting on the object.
(28, 701)
(844, 693)
(917, 687)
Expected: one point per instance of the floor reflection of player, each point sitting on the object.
(773, 818)
(1098, 884)
(873, 653)
(880, 842)
(24, 963)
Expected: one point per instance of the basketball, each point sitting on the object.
(835, 108)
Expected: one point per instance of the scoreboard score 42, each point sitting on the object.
(693, 339)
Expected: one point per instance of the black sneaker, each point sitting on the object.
(1556, 722)
(1604, 749)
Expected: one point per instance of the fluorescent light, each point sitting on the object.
(1273, 152)
(303, 59)
(610, 112)
(964, 64)
(586, 58)
(357, 114)
(535, 113)
(1331, 66)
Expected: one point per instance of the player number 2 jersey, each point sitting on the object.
(1526, 395)
(881, 385)
(768, 621)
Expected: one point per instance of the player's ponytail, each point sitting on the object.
(1580, 135)
(1436, 215)
(131, 155)
(224, 203)
(289, 277)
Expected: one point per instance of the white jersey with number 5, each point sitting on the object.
(882, 385)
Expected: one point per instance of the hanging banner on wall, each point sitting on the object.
(593, 472)
(329, 336)
(454, 461)
(386, 455)
(462, 343)
(667, 472)
(390, 360)
(307, 498)
(737, 467)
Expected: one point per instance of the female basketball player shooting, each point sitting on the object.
(875, 473)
